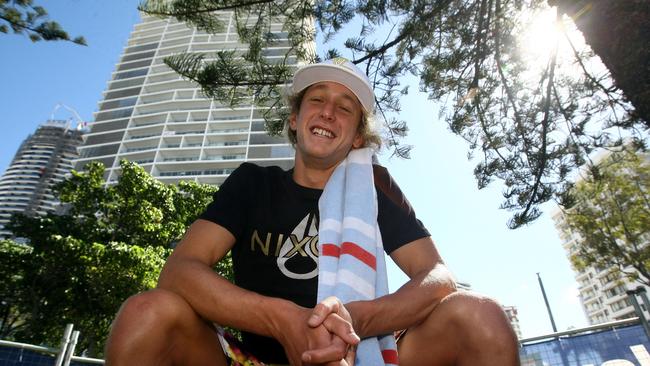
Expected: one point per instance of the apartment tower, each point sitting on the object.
(42, 161)
(602, 291)
(151, 116)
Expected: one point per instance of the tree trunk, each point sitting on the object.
(619, 32)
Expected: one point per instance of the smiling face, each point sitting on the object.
(326, 125)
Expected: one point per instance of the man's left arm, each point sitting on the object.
(430, 281)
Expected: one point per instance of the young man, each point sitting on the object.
(268, 218)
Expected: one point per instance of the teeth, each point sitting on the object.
(322, 132)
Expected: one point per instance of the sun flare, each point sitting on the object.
(542, 32)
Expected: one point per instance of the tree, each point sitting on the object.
(66, 280)
(611, 215)
(79, 266)
(529, 124)
(618, 32)
(23, 17)
(137, 210)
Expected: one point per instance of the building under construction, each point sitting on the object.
(42, 161)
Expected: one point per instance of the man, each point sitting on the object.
(267, 217)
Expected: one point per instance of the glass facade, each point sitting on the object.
(150, 115)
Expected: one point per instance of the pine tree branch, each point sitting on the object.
(62, 37)
(407, 31)
(510, 94)
(479, 54)
(488, 135)
(200, 11)
(545, 123)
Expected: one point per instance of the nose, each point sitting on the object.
(327, 110)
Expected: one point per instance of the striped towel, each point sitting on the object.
(351, 263)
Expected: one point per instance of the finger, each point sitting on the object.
(342, 328)
(337, 363)
(335, 351)
(322, 310)
(351, 355)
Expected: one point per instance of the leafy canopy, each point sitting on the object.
(529, 120)
(611, 215)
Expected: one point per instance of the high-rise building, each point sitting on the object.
(151, 116)
(603, 292)
(42, 161)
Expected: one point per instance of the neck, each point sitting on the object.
(312, 175)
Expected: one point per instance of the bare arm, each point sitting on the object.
(430, 281)
(188, 272)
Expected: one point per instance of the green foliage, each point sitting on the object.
(137, 210)
(110, 243)
(528, 120)
(611, 214)
(23, 17)
(13, 262)
(66, 280)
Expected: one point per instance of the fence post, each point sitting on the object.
(644, 297)
(70, 351)
(64, 345)
(644, 322)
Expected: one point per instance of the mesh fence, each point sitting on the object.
(11, 355)
(19, 356)
(622, 346)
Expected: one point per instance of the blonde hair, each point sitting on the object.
(366, 126)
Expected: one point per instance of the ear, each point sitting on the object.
(358, 141)
(292, 121)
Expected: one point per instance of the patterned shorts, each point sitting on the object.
(236, 353)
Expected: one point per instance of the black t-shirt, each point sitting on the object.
(275, 224)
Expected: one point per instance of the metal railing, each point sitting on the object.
(63, 356)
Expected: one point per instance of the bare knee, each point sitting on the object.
(481, 321)
(463, 329)
(153, 308)
(142, 318)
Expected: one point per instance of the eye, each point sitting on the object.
(345, 108)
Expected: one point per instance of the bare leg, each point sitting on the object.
(159, 327)
(464, 329)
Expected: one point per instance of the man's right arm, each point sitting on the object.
(188, 273)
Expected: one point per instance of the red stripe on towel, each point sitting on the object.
(390, 356)
(360, 254)
(330, 250)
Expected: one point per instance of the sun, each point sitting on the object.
(543, 32)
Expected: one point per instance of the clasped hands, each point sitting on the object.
(323, 335)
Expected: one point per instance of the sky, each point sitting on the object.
(466, 223)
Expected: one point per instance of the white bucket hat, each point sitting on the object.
(338, 70)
